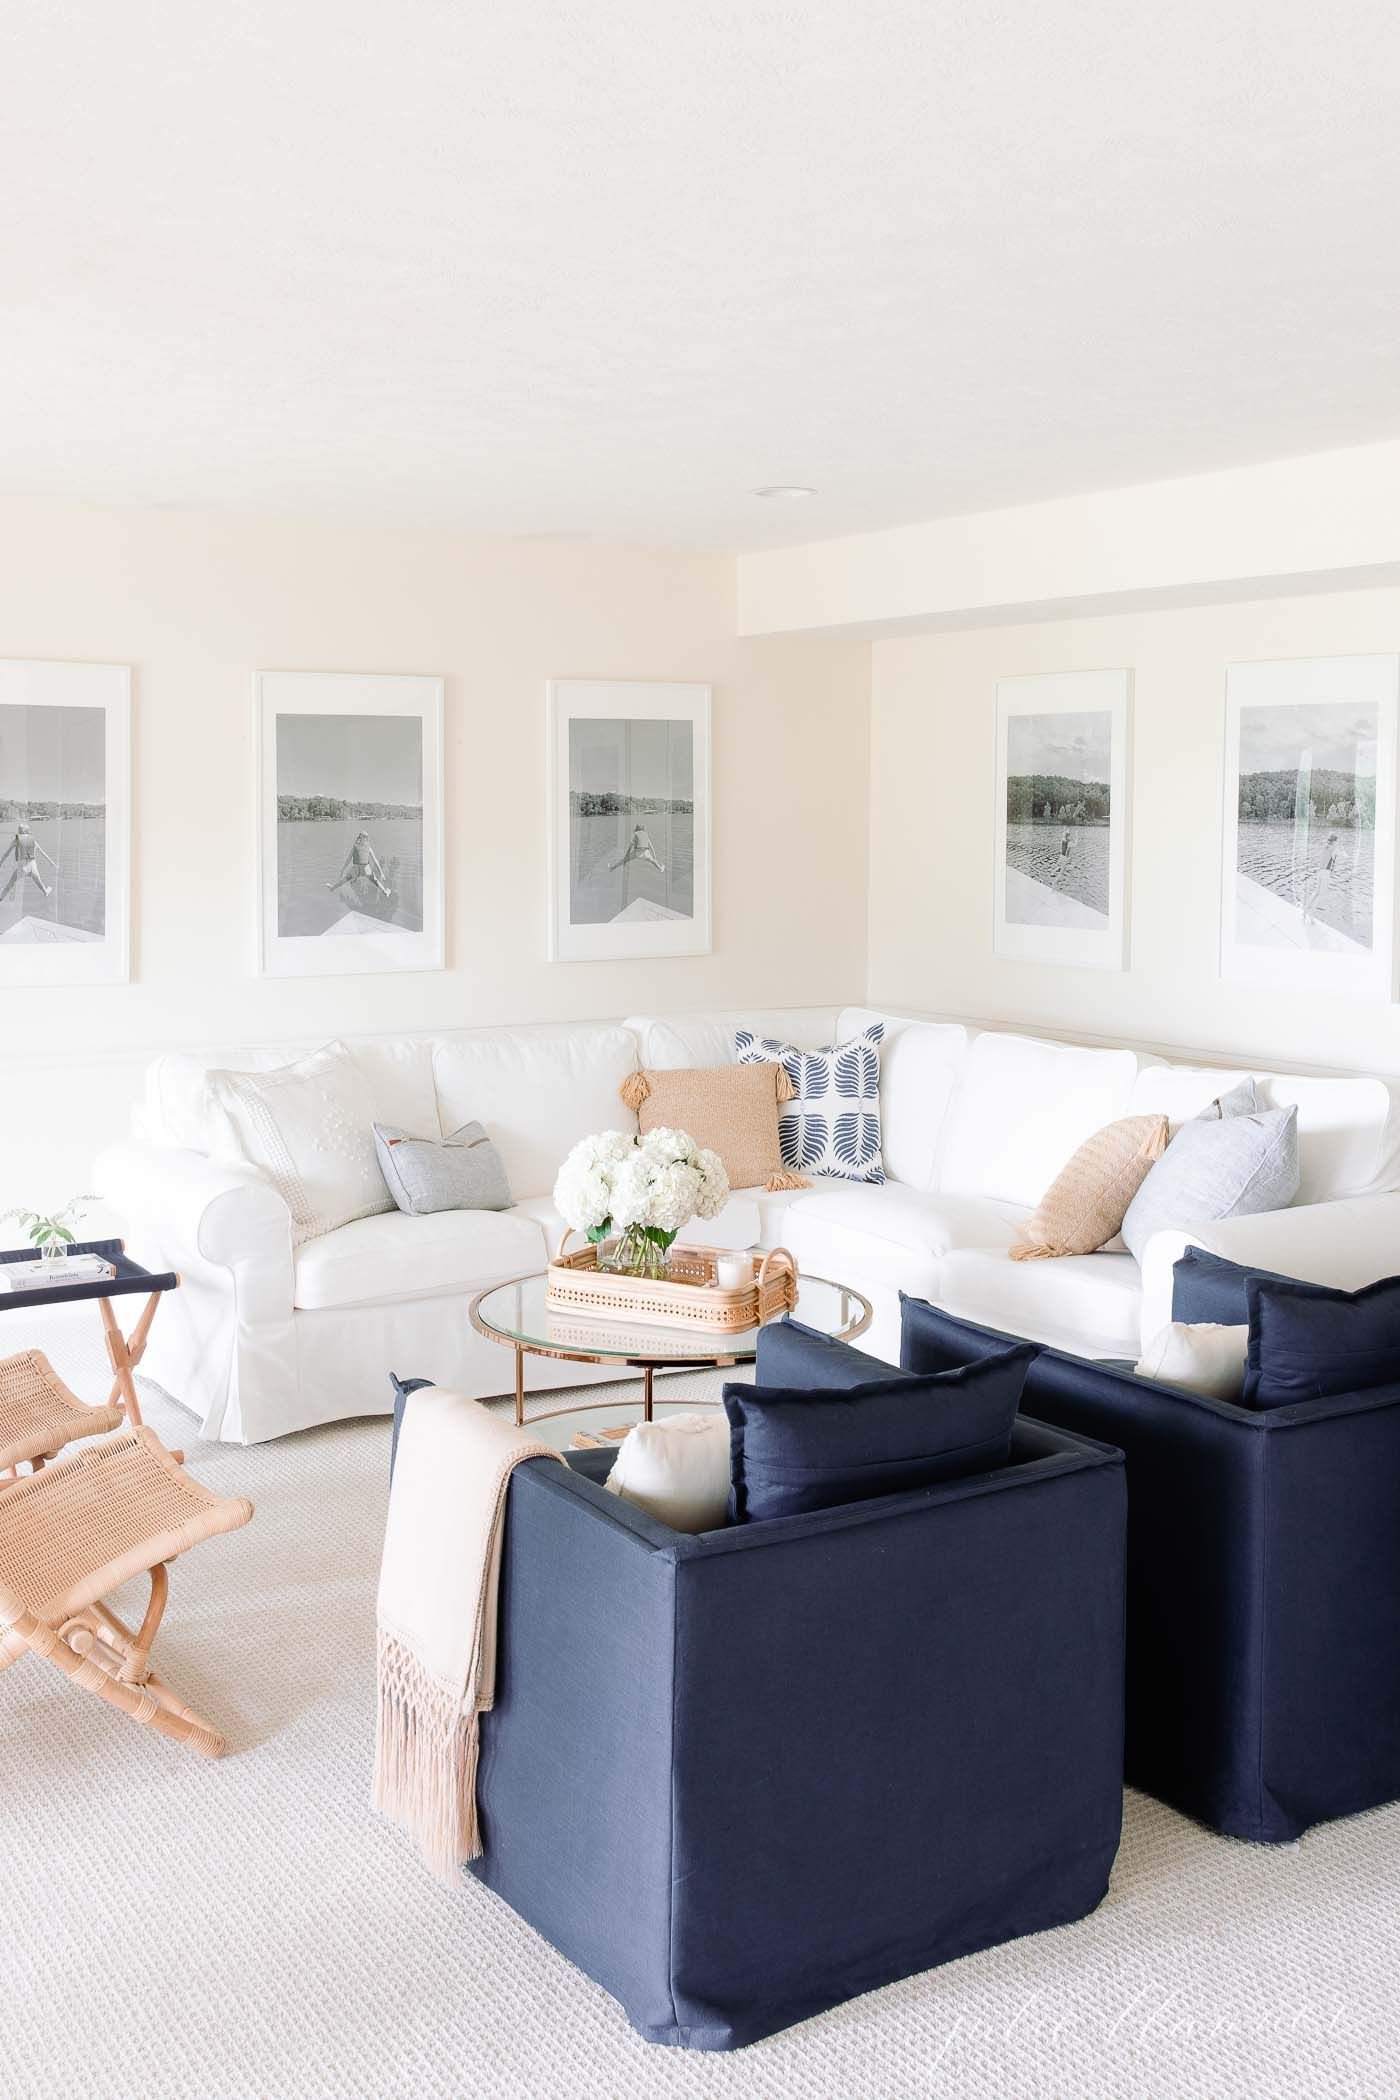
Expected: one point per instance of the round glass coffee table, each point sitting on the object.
(516, 1314)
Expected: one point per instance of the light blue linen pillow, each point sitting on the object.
(1227, 1167)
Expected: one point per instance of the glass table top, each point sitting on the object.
(517, 1312)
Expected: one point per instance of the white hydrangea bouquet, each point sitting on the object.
(639, 1190)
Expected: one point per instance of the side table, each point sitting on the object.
(124, 1351)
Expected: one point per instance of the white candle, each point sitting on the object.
(733, 1271)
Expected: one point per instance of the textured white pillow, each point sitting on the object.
(1207, 1358)
(677, 1469)
(309, 1127)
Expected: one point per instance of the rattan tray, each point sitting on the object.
(688, 1297)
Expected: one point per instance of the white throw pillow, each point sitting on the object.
(677, 1470)
(309, 1127)
(1207, 1358)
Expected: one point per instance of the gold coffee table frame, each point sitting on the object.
(853, 1314)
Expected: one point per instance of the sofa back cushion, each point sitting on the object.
(1021, 1108)
(176, 1107)
(671, 1042)
(537, 1091)
(1344, 1125)
(797, 1449)
(919, 1065)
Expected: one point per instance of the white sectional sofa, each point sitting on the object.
(262, 1340)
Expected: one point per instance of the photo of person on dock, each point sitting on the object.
(631, 820)
(1058, 812)
(349, 824)
(53, 859)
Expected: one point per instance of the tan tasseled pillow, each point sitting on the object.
(1085, 1204)
(731, 1109)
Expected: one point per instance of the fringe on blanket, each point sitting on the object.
(425, 1757)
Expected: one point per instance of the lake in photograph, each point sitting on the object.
(311, 854)
(1082, 873)
(1292, 865)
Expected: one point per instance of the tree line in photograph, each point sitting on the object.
(1053, 798)
(47, 812)
(586, 804)
(320, 809)
(1331, 797)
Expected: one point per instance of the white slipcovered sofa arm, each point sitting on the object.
(195, 1209)
(224, 1345)
(1347, 1243)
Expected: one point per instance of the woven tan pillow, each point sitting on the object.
(731, 1109)
(1085, 1204)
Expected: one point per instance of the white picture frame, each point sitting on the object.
(358, 757)
(1060, 874)
(1307, 884)
(65, 823)
(629, 862)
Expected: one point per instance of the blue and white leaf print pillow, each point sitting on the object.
(832, 1124)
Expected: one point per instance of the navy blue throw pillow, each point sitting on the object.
(806, 1359)
(1206, 1288)
(1309, 1342)
(791, 1451)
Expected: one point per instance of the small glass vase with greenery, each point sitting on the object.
(52, 1233)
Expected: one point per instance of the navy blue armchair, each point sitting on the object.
(740, 1777)
(1263, 1687)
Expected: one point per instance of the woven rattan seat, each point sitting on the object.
(119, 1507)
(38, 1414)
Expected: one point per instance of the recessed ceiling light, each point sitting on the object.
(784, 492)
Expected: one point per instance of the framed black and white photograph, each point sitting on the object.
(1060, 872)
(629, 819)
(350, 817)
(65, 823)
(1308, 840)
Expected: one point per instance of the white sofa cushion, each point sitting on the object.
(681, 1042)
(395, 1257)
(919, 1065)
(920, 1218)
(309, 1129)
(1204, 1358)
(399, 1071)
(1021, 1108)
(176, 1109)
(1343, 1124)
(1089, 1304)
(537, 1091)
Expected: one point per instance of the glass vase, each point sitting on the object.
(642, 1250)
(53, 1253)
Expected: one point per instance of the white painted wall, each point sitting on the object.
(1328, 520)
(197, 603)
(932, 789)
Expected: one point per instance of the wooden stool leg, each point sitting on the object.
(151, 1704)
(125, 1353)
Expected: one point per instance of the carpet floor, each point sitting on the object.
(247, 1930)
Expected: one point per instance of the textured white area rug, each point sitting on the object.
(176, 1930)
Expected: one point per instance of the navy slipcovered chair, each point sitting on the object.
(1263, 1687)
(742, 1776)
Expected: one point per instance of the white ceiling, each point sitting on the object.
(604, 266)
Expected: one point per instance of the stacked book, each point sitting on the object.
(47, 1275)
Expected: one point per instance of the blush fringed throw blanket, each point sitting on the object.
(437, 1618)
